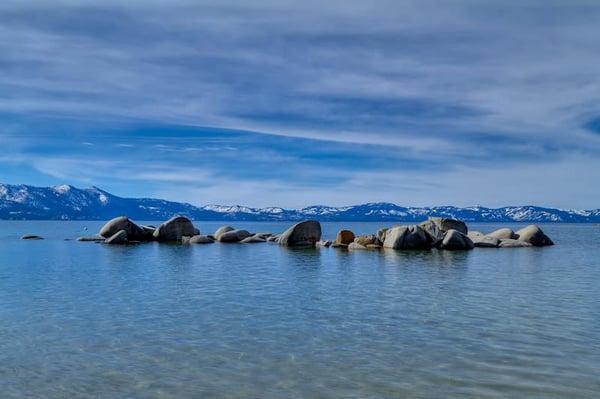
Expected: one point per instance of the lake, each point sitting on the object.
(262, 321)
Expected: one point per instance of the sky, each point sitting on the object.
(289, 103)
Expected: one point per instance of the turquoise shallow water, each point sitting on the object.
(261, 321)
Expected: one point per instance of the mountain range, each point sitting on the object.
(65, 202)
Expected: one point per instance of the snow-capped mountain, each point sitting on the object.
(70, 203)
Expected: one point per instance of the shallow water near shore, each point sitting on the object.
(261, 321)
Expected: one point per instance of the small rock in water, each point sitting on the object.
(31, 237)
(344, 237)
(324, 243)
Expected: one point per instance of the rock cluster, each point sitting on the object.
(440, 233)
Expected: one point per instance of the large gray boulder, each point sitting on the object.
(503, 234)
(175, 229)
(305, 233)
(510, 243)
(222, 230)
(407, 237)
(454, 240)
(533, 235)
(484, 241)
(119, 238)
(134, 232)
(437, 227)
(233, 236)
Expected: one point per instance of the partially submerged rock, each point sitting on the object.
(484, 241)
(134, 232)
(222, 230)
(233, 236)
(175, 229)
(503, 234)
(118, 238)
(253, 240)
(305, 233)
(511, 243)
(455, 240)
(324, 243)
(406, 237)
(370, 239)
(31, 237)
(344, 237)
(354, 245)
(533, 235)
(200, 239)
(97, 238)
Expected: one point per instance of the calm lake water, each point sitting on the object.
(261, 321)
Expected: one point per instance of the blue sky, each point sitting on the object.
(297, 103)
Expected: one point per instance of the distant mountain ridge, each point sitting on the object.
(65, 202)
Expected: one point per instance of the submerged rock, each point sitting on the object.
(233, 236)
(407, 237)
(118, 238)
(533, 235)
(175, 229)
(305, 233)
(97, 238)
(344, 237)
(503, 234)
(134, 232)
(455, 240)
(338, 245)
(31, 237)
